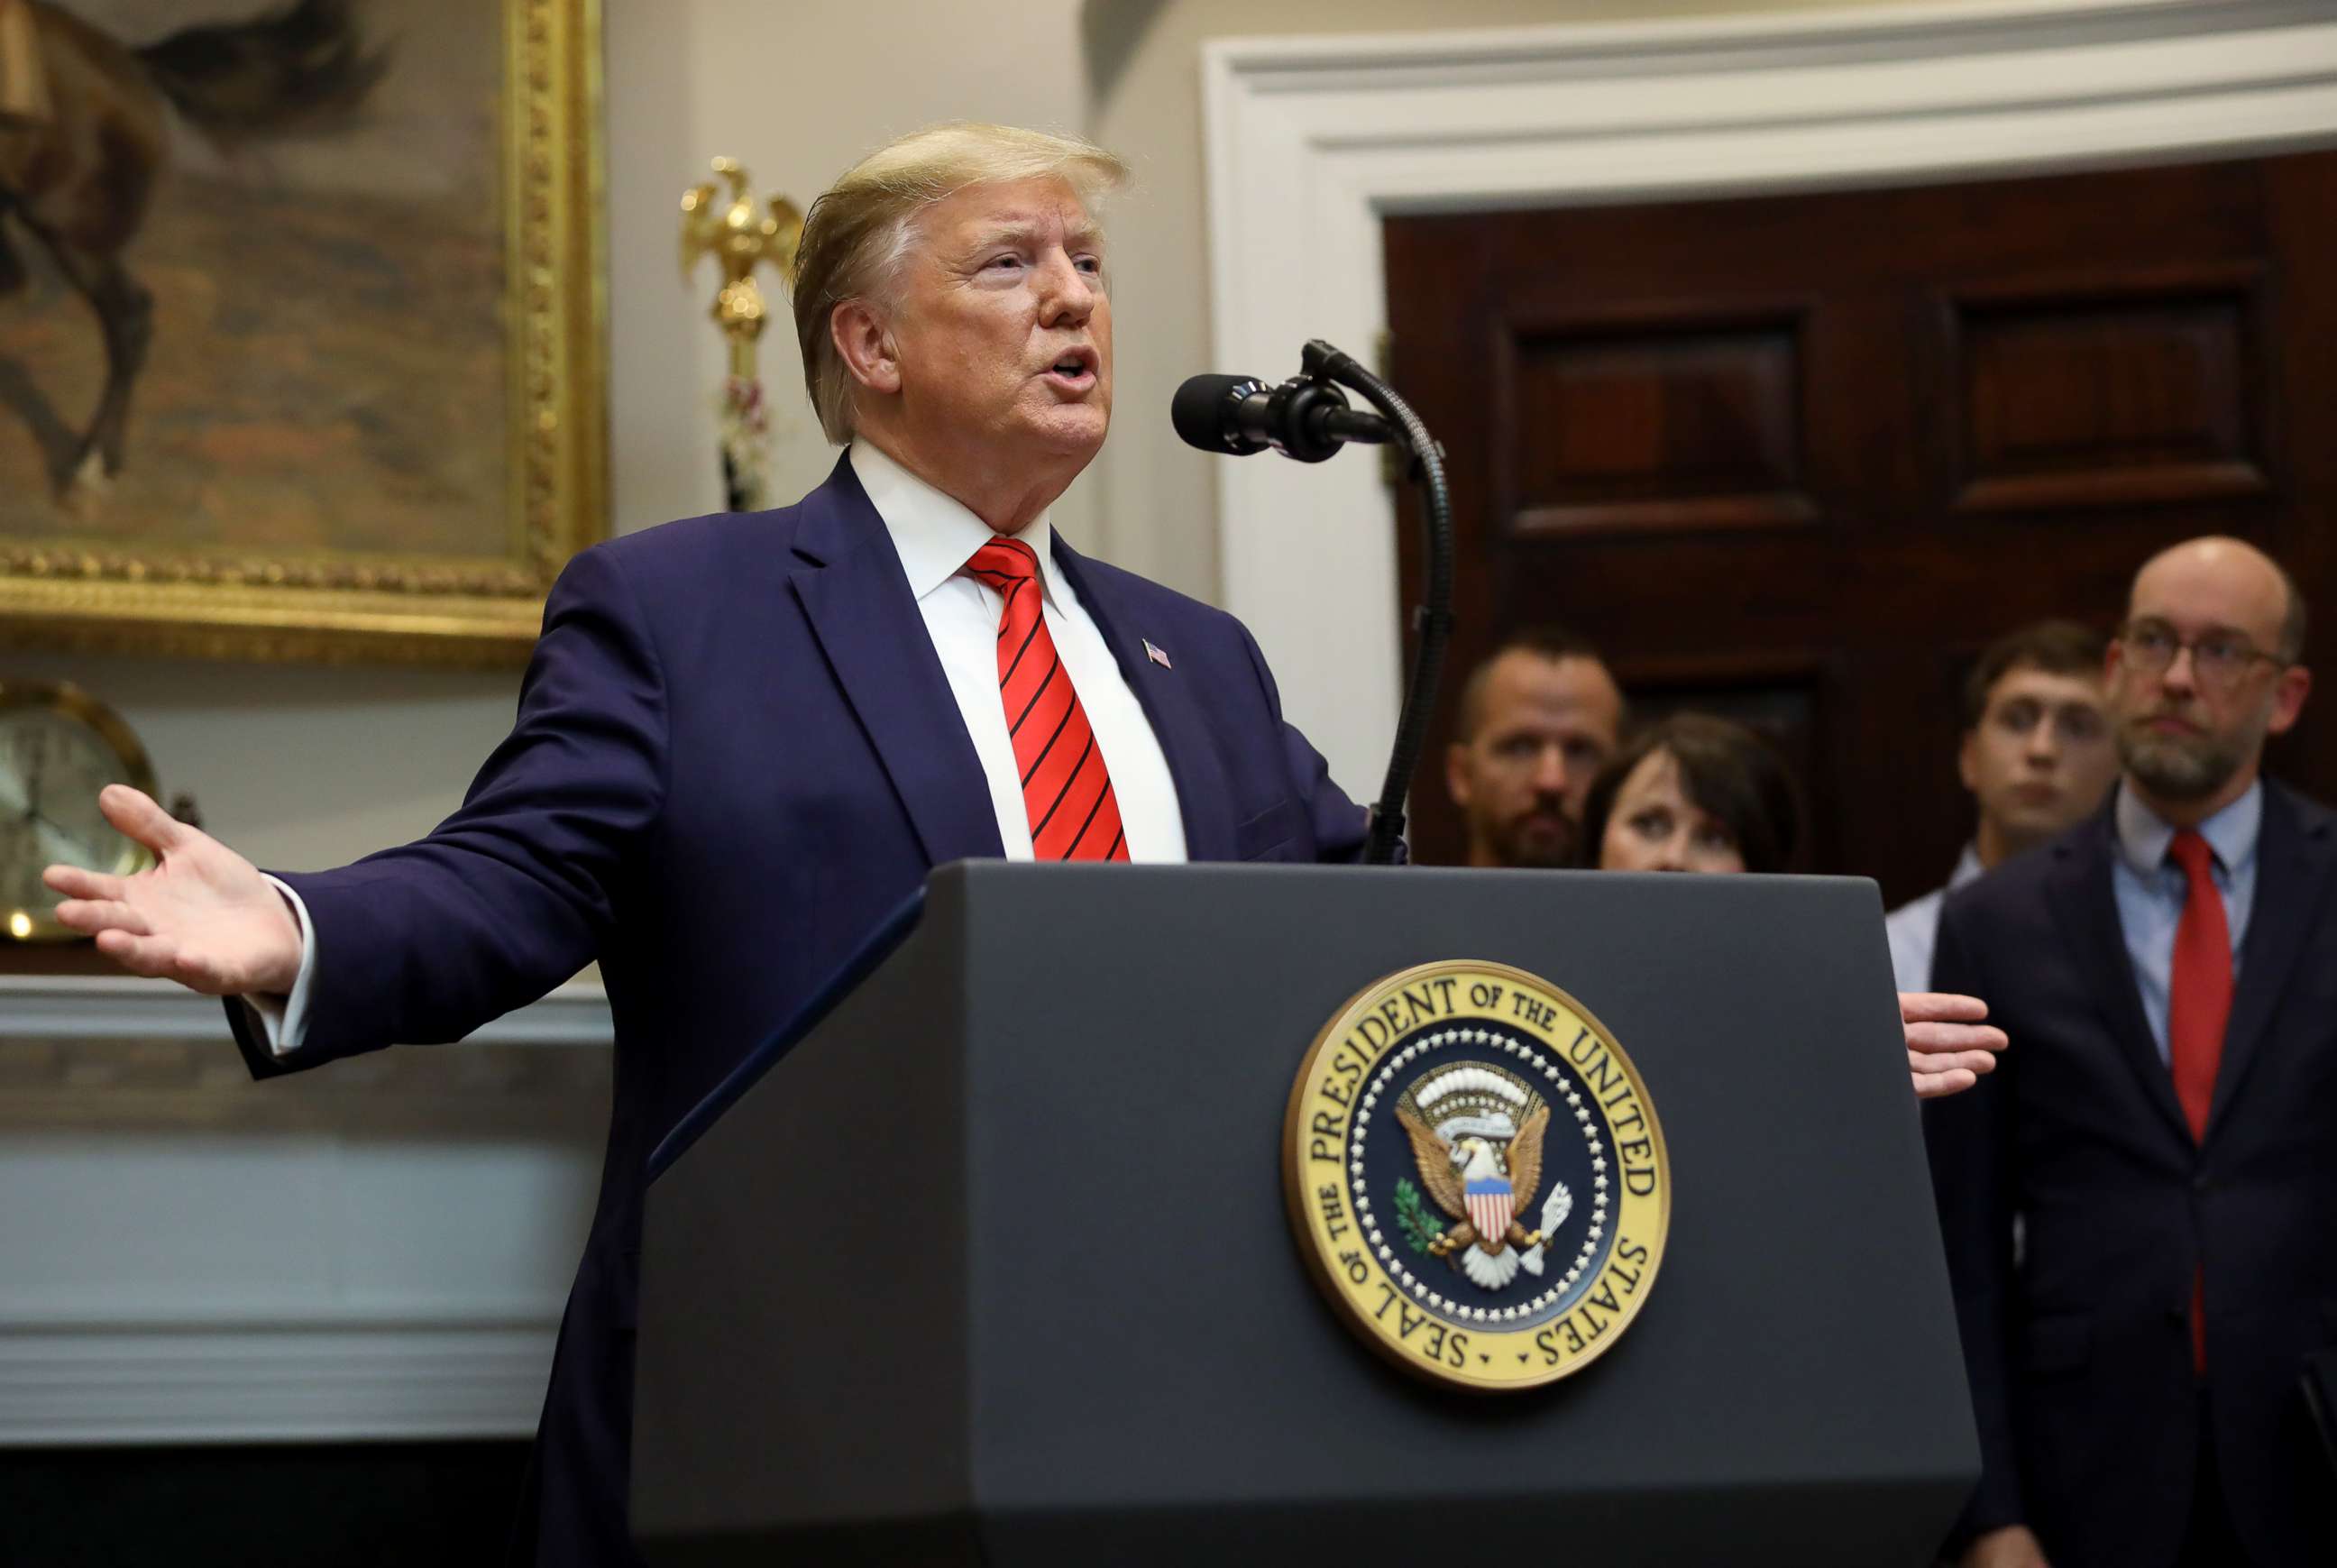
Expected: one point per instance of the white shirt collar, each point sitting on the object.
(2230, 833)
(934, 533)
(1968, 867)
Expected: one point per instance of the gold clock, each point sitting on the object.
(59, 747)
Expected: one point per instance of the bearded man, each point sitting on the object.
(744, 740)
(1535, 722)
(2138, 1210)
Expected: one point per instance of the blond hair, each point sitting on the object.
(856, 235)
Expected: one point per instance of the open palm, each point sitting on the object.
(202, 915)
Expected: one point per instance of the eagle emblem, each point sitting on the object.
(1475, 1176)
(1476, 1134)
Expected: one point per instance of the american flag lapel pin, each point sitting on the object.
(1156, 655)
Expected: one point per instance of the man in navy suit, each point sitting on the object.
(744, 740)
(2141, 1208)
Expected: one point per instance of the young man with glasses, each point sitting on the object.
(2139, 1204)
(2036, 755)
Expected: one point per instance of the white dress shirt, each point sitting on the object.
(935, 537)
(2151, 891)
(1914, 926)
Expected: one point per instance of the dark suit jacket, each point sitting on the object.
(736, 753)
(2080, 1351)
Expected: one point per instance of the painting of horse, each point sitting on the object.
(251, 278)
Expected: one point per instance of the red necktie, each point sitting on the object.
(2199, 987)
(1074, 816)
(2198, 1004)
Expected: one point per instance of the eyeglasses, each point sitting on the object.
(2219, 660)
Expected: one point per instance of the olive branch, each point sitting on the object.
(1420, 1227)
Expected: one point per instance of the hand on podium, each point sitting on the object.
(1948, 1046)
(201, 914)
(2011, 1547)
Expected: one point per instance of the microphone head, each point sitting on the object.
(1203, 413)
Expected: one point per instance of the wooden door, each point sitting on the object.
(1797, 459)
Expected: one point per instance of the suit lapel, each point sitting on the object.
(2086, 910)
(1168, 700)
(860, 608)
(2293, 864)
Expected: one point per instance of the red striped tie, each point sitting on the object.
(1074, 816)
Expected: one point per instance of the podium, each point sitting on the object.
(985, 1260)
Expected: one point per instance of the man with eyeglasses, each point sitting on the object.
(2036, 756)
(2140, 1205)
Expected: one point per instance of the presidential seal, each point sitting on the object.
(1475, 1176)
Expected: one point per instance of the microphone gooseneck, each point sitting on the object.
(1308, 418)
(1432, 617)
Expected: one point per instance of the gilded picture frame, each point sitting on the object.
(543, 495)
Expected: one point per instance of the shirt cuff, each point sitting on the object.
(283, 1021)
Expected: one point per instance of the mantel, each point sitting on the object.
(60, 1007)
(376, 1249)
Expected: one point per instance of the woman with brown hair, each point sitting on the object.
(1693, 793)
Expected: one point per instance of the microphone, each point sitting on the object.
(1302, 419)
(1307, 417)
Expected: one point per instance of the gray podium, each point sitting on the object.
(988, 1262)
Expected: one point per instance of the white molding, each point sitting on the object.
(375, 1250)
(1310, 142)
(66, 1008)
(268, 1384)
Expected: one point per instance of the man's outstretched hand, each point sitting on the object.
(202, 915)
(1948, 1046)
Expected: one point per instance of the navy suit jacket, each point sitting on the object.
(2079, 1352)
(736, 753)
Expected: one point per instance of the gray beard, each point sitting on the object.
(2176, 769)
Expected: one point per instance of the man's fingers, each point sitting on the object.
(135, 815)
(90, 915)
(1932, 1037)
(1973, 1061)
(159, 959)
(75, 882)
(1941, 1007)
(152, 957)
(1937, 1085)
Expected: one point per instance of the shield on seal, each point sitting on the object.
(1489, 1203)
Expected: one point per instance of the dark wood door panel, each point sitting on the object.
(2115, 390)
(1688, 417)
(1800, 457)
